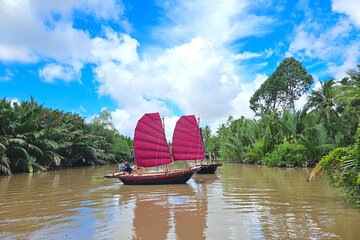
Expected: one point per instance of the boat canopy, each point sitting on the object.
(187, 143)
(150, 146)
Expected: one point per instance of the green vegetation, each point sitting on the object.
(325, 129)
(289, 81)
(35, 138)
(286, 155)
(343, 168)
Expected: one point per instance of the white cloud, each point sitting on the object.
(246, 55)
(198, 77)
(269, 52)
(14, 101)
(317, 85)
(300, 103)
(241, 103)
(352, 57)
(170, 123)
(7, 76)
(313, 41)
(52, 72)
(333, 44)
(34, 30)
(197, 74)
(11, 53)
(348, 7)
(125, 120)
(105, 9)
(217, 21)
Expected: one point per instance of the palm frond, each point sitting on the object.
(4, 165)
(316, 171)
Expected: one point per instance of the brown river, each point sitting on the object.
(238, 202)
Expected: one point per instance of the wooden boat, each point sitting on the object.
(151, 150)
(150, 178)
(188, 145)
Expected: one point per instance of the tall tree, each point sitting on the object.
(286, 85)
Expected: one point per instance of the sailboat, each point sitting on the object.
(188, 144)
(151, 150)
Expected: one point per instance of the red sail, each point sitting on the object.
(150, 146)
(187, 143)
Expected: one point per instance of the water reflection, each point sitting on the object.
(161, 211)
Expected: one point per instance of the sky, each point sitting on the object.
(202, 57)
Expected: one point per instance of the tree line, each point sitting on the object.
(36, 138)
(325, 133)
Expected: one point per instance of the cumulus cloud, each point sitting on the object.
(349, 7)
(10, 54)
(241, 103)
(352, 56)
(52, 72)
(195, 72)
(44, 30)
(198, 77)
(313, 41)
(329, 43)
(216, 21)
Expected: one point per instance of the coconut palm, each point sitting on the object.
(322, 104)
(316, 141)
(4, 160)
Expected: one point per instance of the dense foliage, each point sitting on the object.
(35, 138)
(343, 168)
(286, 155)
(285, 137)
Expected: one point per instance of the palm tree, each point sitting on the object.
(316, 141)
(289, 124)
(4, 160)
(322, 105)
(349, 100)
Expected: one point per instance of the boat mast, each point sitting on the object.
(163, 125)
(202, 138)
(198, 122)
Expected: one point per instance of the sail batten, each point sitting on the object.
(150, 146)
(187, 143)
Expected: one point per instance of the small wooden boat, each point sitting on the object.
(151, 150)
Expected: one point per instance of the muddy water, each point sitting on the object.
(239, 202)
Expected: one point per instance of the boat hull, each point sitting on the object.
(173, 177)
(209, 168)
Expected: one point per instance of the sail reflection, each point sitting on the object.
(166, 212)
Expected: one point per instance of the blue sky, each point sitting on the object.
(204, 57)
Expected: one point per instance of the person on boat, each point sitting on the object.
(122, 167)
(127, 169)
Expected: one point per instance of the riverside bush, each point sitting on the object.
(342, 165)
(286, 155)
